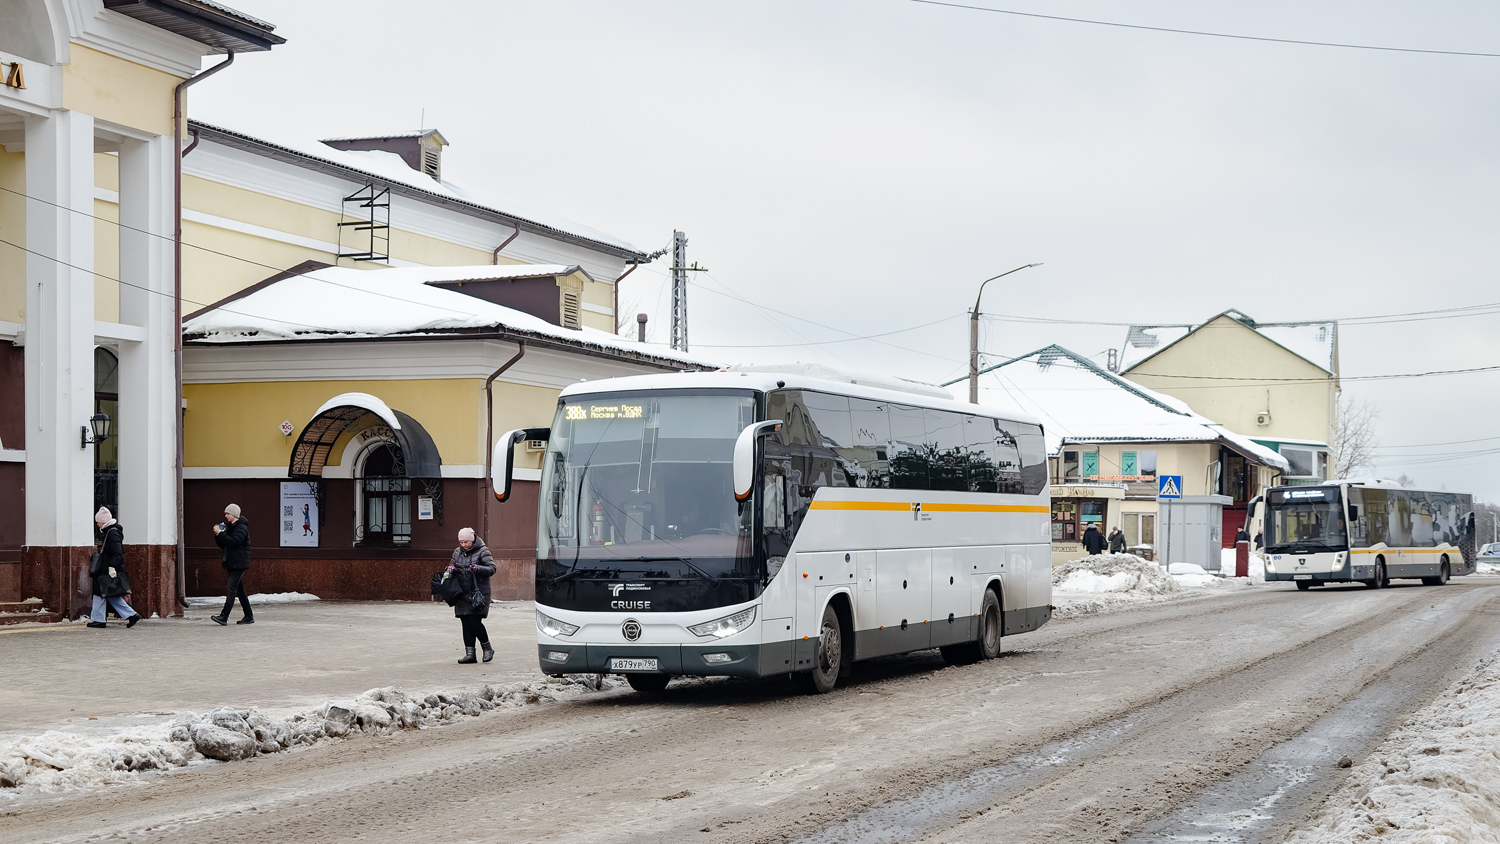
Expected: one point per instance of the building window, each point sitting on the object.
(107, 453)
(1147, 461)
(1064, 520)
(1140, 529)
(1070, 465)
(386, 492)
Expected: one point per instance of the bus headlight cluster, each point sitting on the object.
(1338, 562)
(726, 626)
(552, 627)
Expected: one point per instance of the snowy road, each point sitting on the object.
(1215, 719)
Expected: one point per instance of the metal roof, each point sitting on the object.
(223, 29)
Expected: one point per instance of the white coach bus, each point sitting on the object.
(757, 524)
(1368, 532)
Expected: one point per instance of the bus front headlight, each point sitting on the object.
(1338, 562)
(552, 627)
(726, 626)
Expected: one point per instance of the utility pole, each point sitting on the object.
(680, 269)
(679, 291)
(974, 335)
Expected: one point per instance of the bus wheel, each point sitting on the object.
(1304, 585)
(1442, 578)
(988, 646)
(1380, 581)
(829, 658)
(648, 683)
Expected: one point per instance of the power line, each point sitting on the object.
(832, 342)
(1208, 34)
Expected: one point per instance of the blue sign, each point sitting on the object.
(1169, 486)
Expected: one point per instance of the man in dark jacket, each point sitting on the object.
(234, 537)
(111, 585)
(1117, 541)
(1093, 541)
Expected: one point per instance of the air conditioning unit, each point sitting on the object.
(1263, 418)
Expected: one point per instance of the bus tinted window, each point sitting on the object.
(946, 440)
(1033, 449)
(910, 457)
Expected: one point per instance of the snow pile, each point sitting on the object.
(1435, 779)
(1106, 582)
(272, 598)
(59, 761)
(1487, 568)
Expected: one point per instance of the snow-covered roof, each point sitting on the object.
(1079, 401)
(383, 136)
(400, 302)
(1315, 342)
(390, 168)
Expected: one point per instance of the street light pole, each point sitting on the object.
(974, 335)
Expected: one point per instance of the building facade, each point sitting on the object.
(1109, 441)
(88, 99)
(1276, 382)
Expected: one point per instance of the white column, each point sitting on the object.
(148, 439)
(59, 328)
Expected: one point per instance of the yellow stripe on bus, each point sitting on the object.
(905, 507)
(1403, 551)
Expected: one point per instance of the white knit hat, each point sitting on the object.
(103, 517)
(233, 510)
(466, 533)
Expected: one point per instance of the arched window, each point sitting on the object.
(386, 493)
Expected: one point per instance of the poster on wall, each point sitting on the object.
(299, 515)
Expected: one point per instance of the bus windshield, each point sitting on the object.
(641, 483)
(1305, 519)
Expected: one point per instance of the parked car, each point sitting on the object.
(1488, 553)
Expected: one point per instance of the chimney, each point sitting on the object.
(422, 150)
(640, 330)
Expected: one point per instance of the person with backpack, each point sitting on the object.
(107, 569)
(233, 535)
(1093, 540)
(473, 567)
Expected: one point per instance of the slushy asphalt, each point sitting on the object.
(60, 676)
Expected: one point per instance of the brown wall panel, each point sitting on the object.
(12, 511)
(12, 396)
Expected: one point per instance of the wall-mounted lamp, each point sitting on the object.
(97, 431)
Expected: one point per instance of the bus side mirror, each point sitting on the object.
(744, 456)
(1353, 513)
(503, 461)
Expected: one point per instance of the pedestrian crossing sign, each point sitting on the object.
(1169, 486)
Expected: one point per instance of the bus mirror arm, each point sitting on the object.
(504, 459)
(744, 456)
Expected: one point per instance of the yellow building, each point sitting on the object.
(1109, 441)
(88, 94)
(1277, 382)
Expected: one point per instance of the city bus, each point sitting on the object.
(758, 524)
(1366, 531)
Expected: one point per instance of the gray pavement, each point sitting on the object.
(295, 655)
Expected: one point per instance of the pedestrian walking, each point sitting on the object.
(473, 566)
(111, 584)
(1260, 540)
(233, 535)
(1241, 536)
(1117, 541)
(1093, 541)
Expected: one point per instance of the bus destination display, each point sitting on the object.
(604, 411)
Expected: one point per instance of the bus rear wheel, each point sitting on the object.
(990, 633)
(1441, 579)
(648, 683)
(828, 659)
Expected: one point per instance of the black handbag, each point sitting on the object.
(94, 568)
(447, 587)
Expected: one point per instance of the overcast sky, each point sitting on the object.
(864, 165)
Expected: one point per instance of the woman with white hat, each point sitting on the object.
(111, 585)
(473, 566)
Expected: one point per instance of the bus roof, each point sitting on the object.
(767, 380)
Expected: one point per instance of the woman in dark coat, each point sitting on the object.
(473, 566)
(111, 584)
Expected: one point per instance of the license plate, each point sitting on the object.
(1302, 577)
(620, 664)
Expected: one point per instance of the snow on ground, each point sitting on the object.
(1437, 779)
(61, 761)
(272, 598)
(1105, 582)
(1492, 569)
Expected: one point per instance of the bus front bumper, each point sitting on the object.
(712, 660)
(1347, 574)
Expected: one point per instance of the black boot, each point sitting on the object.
(489, 652)
(468, 657)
